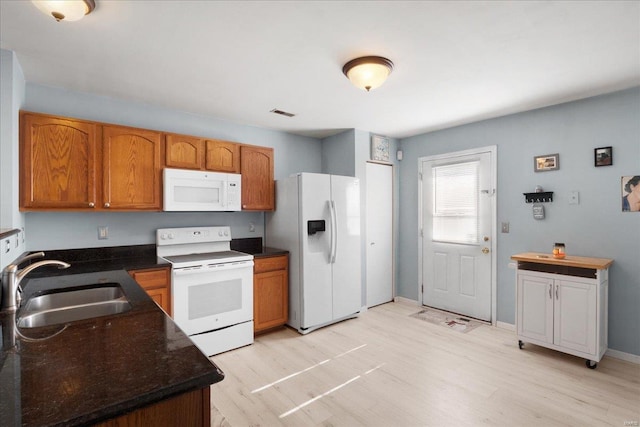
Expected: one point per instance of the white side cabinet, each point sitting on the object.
(563, 304)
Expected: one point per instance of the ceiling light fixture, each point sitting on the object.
(67, 10)
(368, 72)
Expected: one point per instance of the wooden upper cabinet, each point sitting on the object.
(58, 163)
(184, 152)
(131, 165)
(222, 156)
(256, 166)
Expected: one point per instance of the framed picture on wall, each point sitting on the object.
(603, 156)
(631, 193)
(548, 162)
(379, 148)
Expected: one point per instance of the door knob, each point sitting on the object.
(485, 238)
(485, 250)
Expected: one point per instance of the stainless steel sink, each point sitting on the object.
(68, 306)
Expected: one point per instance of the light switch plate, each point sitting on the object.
(505, 227)
(574, 198)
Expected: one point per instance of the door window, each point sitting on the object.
(455, 202)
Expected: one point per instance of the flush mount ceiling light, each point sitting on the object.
(67, 10)
(368, 72)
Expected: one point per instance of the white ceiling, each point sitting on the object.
(455, 62)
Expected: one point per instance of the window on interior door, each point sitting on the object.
(455, 202)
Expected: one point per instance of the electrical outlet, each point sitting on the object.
(252, 227)
(103, 232)
(7, 246)
(574, 198)
(505, 227)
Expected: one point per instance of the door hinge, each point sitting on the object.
(421, 232)
(422, 288)
(420, 176)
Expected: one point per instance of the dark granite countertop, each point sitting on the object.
(253, 245)
(91, 370)
(92, 260)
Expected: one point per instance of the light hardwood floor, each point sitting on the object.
(388, 369)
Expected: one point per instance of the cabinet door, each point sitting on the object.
(58, 169)
(256, 166)
(575, 316)
(222, 156)
(157, 283)
(270, 292)
(270, 302)
(535, 307)
(185, 152)
(131, 168)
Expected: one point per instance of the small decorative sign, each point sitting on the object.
(379, 148)
(548, 162)
(603, 156)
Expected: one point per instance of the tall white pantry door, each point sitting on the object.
(379, 245)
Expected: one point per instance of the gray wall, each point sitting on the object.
(595, 227)
(50, 230)
(338, 154)
(11, 98)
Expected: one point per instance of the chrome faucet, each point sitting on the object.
(11, 278)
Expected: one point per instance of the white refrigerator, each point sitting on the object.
(317, 219)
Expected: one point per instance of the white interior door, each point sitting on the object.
(379, 220)
(457, 193)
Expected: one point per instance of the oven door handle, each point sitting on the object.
(213, 267)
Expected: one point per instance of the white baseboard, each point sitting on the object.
(507, 326)
(633, 358)
(407, 301)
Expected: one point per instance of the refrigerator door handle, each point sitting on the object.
(334, 232)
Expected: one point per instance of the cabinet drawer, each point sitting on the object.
(270, 264)
(156, 278)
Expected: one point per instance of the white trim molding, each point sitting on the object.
(407, 301)
(507, 326)
(628, 357)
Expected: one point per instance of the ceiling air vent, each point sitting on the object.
(282, 113)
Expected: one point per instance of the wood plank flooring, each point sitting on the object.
(385, 368)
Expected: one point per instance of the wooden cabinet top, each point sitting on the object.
(569, 261)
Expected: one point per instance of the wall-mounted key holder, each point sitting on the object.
(541, 197)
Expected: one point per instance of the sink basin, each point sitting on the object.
(62, 299)
(77, 304)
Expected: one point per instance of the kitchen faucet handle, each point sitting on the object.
(28, 257)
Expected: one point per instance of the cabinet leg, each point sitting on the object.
(520, 344)
(591, 364)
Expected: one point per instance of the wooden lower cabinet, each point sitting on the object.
(157, 283)
(270, 292)
(191, 409)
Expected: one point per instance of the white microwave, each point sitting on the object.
(190, 190)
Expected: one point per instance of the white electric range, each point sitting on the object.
(211, 286)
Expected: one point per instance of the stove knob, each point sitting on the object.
(226, 233)
(163, 236)
(171, 236)
(220, 233)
